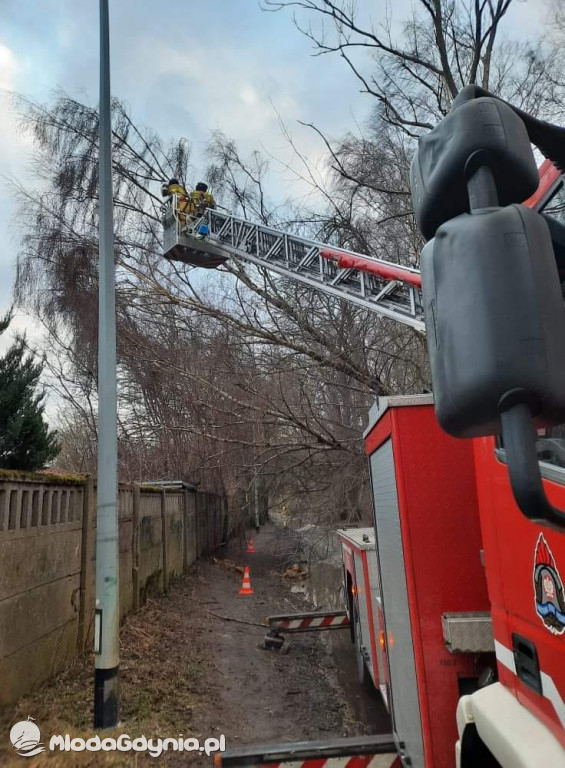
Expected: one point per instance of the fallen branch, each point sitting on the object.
(228, 618)
(237, 621)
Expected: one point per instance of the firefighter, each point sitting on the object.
(201, 199)
(174, 187)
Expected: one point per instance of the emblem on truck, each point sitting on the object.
(550, 595)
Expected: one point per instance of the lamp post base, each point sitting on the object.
(106, 697)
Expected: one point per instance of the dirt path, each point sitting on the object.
(186, 671)
(267, 696)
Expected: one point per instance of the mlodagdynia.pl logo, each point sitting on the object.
(25, 737)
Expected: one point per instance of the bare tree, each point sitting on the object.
(241, 378)
(442, 46)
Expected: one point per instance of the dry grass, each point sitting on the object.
(163, 683)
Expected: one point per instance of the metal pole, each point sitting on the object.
(106, 680)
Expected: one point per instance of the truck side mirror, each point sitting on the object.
(494, 312)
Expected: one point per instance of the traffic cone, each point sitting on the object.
(246, 588)
(250, 547)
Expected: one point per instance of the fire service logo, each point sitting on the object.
(550, 596)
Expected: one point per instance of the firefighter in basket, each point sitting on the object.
(174, 187)
(200, 200)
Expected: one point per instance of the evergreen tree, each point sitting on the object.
(25, 440)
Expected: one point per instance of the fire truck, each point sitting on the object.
(455, 596)
(445, 527)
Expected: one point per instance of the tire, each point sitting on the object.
(362, 673)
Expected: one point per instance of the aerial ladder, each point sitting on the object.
(391, 290)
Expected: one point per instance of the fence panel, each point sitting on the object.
(47, 564)
(40, 567)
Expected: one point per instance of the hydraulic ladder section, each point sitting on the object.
(388, 289)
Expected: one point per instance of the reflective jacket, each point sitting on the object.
(176, 189)
(200, 201)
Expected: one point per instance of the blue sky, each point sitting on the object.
(185, 68)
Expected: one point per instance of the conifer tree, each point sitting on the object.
(26, 442)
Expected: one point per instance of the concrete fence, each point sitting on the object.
(47, 564)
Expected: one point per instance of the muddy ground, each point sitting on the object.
(186, 668)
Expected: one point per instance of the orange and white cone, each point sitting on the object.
(246, 588)
(250, 547)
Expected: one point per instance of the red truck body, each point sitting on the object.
(446, 526)
(429, 564)
(525, 562)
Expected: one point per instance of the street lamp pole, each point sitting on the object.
(106, 680)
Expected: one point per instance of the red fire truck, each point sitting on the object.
(446, 525)
(455, 597)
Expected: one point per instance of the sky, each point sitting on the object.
(185, 69)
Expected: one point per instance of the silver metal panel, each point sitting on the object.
(304, 261)
(374, 576)
(405, 708)
(363, 611)
(362, 538)
(378, 749)
(469, 632)
(169, 233)
(374, 581)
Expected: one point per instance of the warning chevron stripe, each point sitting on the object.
(375, 751)
(357, 761)
(311, 622)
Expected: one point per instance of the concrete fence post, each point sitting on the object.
(135, 546)
(185, 530)
(164, 539)
(85, 560)
(197, 524)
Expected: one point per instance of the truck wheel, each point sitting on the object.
(362, 674)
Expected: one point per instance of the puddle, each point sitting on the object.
(324, 586)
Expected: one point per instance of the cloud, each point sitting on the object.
(206, 88)
(8, 68)
(12, 151)
(248, 95)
